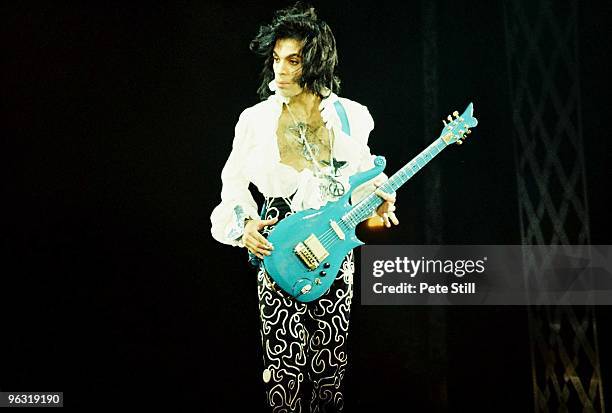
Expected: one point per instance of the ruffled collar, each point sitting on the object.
(277, 97)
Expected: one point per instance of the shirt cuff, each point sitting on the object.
(236, 228)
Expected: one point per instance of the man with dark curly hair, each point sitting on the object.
(298, 147)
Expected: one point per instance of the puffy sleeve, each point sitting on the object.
(361, 125)
(237, 203)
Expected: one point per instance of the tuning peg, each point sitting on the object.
(456, 114)
(444, 122)
(449, 118)
(459, 142)
(469, 131)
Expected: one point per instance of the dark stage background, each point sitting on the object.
(120, 118)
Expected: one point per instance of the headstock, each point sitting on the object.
(457, 129)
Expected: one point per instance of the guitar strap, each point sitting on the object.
(346, 128)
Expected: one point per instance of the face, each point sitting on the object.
(287, 66)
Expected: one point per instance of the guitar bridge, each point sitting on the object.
(311, 252)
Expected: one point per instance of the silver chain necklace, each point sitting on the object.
(329, 186)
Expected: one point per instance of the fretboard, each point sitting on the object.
(369, 204)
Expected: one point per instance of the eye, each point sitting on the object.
(294, 62)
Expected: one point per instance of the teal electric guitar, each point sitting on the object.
(309, 246)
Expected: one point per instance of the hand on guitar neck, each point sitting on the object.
(387, 209)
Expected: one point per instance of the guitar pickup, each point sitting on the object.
(337, 229)
(311, 252)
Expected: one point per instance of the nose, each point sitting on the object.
(282, 68)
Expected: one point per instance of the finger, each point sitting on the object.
(255, 247)
(385, 196)
(261, 249)
(393, 218)
(261, 253)
(253, 251)
(248, 243)
(386, 219)
(262, 242)
(379, 180)
(381, 193)
(266, 222)
(264, 247)
(258, 255)
(256, 251)
(388, 206)
(258, 244)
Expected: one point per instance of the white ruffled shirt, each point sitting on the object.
(255, 158)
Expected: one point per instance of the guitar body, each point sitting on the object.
(308, 282)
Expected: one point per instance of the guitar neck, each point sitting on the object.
(367, 206)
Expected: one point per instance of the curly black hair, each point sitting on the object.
(319, 55)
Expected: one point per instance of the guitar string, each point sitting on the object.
(327, 238)
(328, 235)
(352, 221)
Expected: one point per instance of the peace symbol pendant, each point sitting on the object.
(332, 187)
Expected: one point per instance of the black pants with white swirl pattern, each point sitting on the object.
(304, 344)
